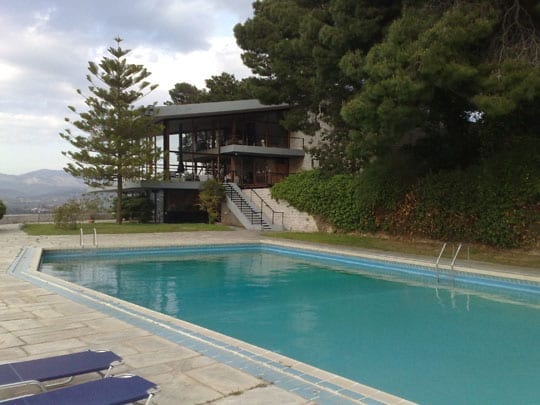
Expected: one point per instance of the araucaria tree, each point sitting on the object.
(113, 142)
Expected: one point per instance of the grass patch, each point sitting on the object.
(424, 248)
(104, 228)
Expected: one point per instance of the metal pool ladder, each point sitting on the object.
(94, 240)
(453, 259)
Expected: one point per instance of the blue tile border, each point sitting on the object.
(511, 288)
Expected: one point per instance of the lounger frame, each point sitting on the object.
(106, 390)
(44, 386)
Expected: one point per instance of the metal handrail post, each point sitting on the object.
(440, 255)
(264, 203)
(455, 257)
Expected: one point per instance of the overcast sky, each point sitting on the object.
(45, 47)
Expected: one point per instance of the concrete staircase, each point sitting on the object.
(245, 211)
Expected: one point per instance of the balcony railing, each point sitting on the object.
(271, 142)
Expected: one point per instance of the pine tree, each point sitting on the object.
(116, 141)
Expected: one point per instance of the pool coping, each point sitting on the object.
(299, 378)
(421, 261)
(425, 272)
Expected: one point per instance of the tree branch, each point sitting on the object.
(518, 36)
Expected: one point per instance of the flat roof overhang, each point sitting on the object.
(170, 185)
(152, 185)
(261, 151)
(221, 108)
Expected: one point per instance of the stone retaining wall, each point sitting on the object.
(293, 220)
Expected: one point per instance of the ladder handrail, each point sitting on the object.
(440, 255)
(94, 238)
(455, 257)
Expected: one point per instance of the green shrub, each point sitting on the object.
(439, 206)
(380, 187)
(509, 196)
(332, 198)
(303, 191)
(139, 208)
(495, 202)
(326, 197)
(91, 206)
(68, 215)
(350, 202)
(211, 196)
(2, 209)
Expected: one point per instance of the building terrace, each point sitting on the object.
(240, 141)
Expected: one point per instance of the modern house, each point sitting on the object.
(240, 143)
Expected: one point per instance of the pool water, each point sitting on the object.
(429, 345)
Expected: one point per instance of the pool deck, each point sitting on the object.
(191, 365)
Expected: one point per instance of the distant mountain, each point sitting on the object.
(41, 189)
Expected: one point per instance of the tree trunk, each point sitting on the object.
(119, 193)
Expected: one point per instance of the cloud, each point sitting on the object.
(25, 128)
(183, 25)
(46, 46)
(28, 143)
(194, 67)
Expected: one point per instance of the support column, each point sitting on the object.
(181, 168)
(166, 151)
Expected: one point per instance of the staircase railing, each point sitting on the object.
(264, 204)
(254, 217)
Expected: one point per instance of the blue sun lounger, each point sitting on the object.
(121, 389)
(39, 371)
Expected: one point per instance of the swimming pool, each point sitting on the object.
(463, 340)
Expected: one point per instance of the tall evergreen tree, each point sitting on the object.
(462, 76)
(185, 93)
(115, 144)
(224, 87)
(302, 52)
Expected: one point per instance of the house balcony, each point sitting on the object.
(287, 148)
